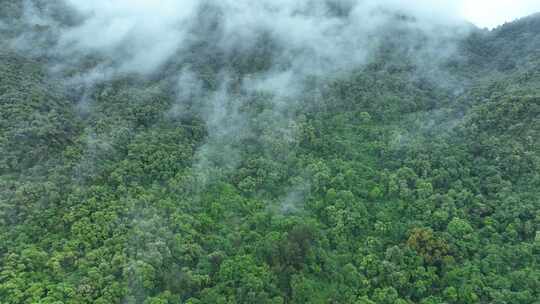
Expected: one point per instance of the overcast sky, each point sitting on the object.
(491, 13)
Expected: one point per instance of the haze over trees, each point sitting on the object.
(269, 152)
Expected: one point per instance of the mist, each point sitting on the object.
(266, 50)
(313, 36)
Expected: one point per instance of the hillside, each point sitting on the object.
(399, 164)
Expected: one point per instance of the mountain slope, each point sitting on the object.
(411, 178)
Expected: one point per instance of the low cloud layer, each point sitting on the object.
(142, 35)
(490, 13)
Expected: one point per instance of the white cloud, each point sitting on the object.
(144, 32)
(491, 13)
(141, 35)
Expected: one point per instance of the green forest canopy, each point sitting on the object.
(373, 187)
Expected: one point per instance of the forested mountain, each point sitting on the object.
(328, 152)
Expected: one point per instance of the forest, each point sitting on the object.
(254, 163)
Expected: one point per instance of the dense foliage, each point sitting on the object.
(374, 187)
